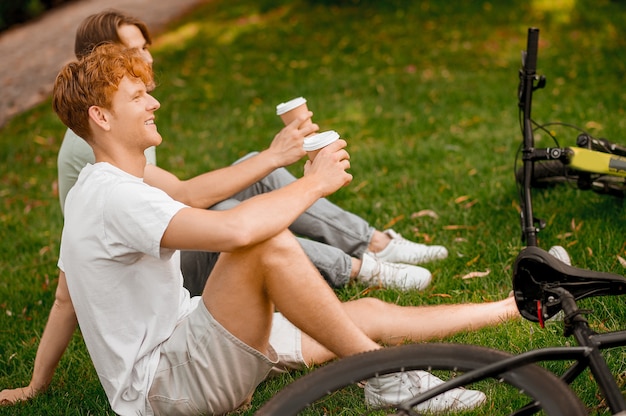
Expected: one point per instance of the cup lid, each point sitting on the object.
(317, 141)
(282, 108)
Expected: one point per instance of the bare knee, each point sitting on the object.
(369, 305)
(281, 249)
(369, 315)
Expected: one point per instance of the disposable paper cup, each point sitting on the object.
(291, 109)
(313, 144)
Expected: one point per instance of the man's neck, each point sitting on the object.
(131, 164)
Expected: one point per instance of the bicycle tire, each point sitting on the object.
(535, 383)
(549, 173)
(553, 172)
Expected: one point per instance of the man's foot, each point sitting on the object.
(561, 254)
(401, 250)
(392, 389)
(375, 272)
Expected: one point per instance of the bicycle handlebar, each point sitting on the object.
(530, 61)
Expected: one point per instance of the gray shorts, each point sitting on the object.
(204, 369)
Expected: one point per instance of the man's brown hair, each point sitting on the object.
(93, 80)
(102, 28)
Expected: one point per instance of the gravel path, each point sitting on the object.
(32, 54)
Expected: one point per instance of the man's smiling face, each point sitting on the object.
(132, 111)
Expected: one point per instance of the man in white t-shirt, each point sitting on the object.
(121, 238)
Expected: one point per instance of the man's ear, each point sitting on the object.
(100, 116)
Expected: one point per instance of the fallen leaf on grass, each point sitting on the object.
(621, 261)
(459, 227)
(593, 125)
(426, 238)
(440, 295)
(360, 186)
(425, 213)
(394, 221)
(470, 204)
(476, 274)
(472, 261)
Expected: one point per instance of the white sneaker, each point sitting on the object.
(401, 250)
(561, 254)
(375, 272)
(395, 388)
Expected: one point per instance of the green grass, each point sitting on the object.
(425, 94)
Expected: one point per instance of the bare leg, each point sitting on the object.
(379, 241)
(356, 267)
(392, 324)
(245, 286)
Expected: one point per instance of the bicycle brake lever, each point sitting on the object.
(541, 83)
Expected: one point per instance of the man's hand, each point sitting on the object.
(287, 144)
(330, 166)
(12, 396)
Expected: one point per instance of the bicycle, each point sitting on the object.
(543, 286)
(595, 164)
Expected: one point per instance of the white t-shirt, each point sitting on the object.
(127, 291)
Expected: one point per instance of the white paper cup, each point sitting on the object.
(291, 109)
(313, 144)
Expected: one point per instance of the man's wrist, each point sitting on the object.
(271, 158)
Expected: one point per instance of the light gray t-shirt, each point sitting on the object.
(74, 154)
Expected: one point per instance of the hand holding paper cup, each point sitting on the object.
(290, 110)
(313, 144)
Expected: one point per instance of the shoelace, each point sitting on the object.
(380, 265)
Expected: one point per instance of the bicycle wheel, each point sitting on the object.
(335, 389)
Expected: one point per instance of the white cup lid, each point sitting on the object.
(282, 108)
(320, 140)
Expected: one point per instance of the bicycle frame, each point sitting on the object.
(587, 160)
(588, 353)
(595, 162)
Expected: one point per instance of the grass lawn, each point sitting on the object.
(425, 94)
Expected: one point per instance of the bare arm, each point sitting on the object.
(263, 216)
(212, 187)
(56, 336)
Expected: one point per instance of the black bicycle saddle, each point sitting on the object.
(536, 273)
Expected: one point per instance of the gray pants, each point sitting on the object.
(329, 235)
